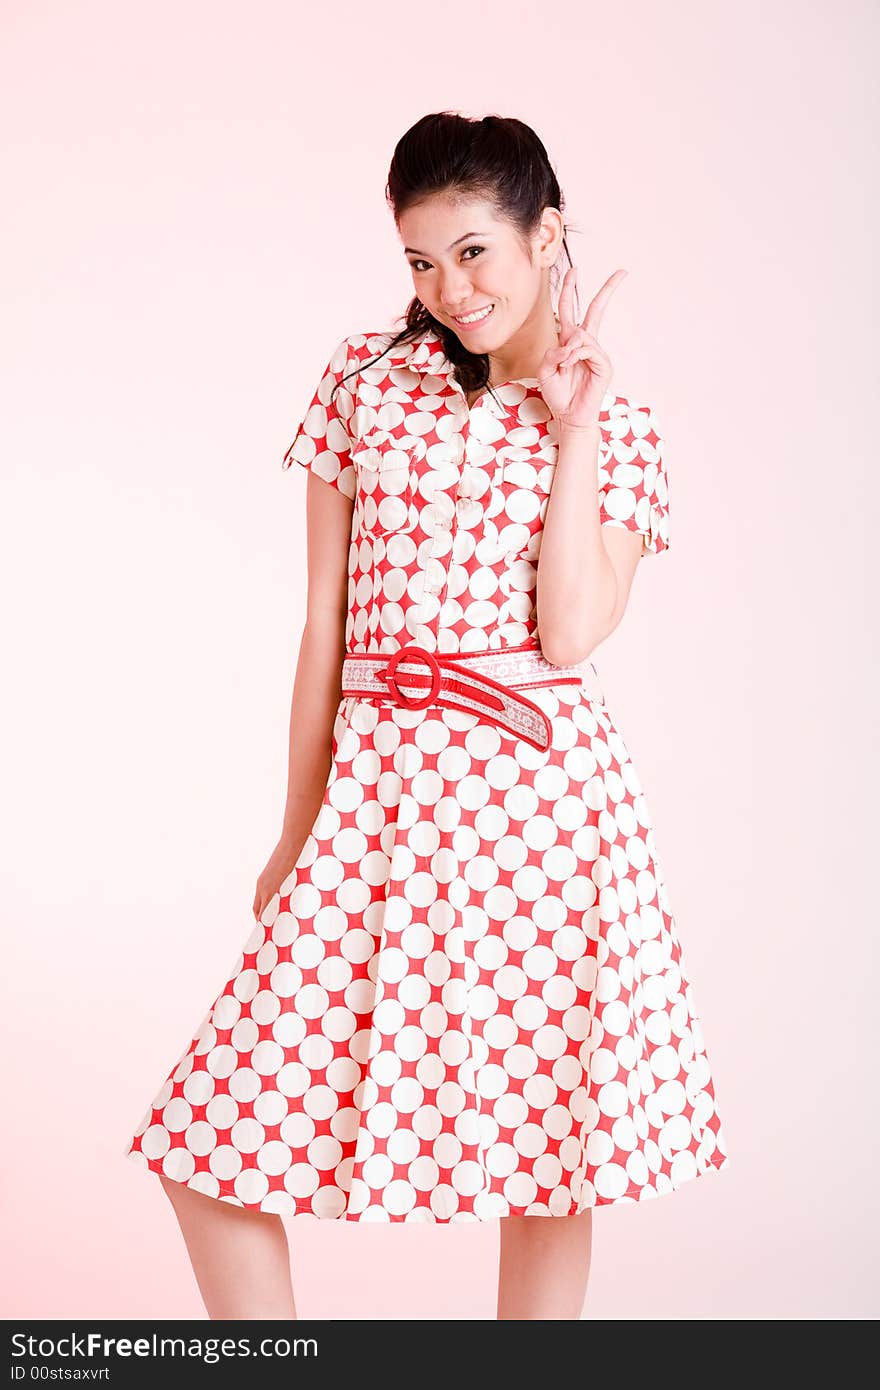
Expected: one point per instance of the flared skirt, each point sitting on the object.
(467, 999)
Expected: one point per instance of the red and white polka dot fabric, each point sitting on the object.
(467, 999)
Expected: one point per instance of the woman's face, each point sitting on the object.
(465, 260)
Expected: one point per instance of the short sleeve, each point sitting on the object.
(633, 482)
(322, 442)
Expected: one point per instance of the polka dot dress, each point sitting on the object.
(467, 1000)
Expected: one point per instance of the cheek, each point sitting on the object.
(521, 280)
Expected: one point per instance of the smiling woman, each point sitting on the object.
(464, 996)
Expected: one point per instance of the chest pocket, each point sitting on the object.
(385, 468)
(521, 491)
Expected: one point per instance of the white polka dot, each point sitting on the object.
(221, 1061)
(292, 1079)
(180, 1166)
(226, 1162)
(672, 1098)
(301, 1180)
(274, 1157)
(423, 1173)
(520, 1189)
(510, 1110)
(613, 1099)
(198, 1087)
(244, 1085)
(226, 1012)
(611, 1181)
(398, 1197)
(222, 1112)
(245, 1035)
(615, 1018)
(247, 1135)
(600, 1148)
(267, 1058)
(551, 1041)
(288, 1030)
(200, 1138)
(675, 1134)
(270, 1108)
(548, 1173)
(177, 1115)
(297, 1130)
(467, 1178)
(530, 1140)
(155, 1141)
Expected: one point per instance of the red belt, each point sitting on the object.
(484, 683)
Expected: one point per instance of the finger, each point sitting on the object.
(565, 312)
(573, 340)
(593, 317)
(579, 337)
(557, 357)
(564, 343)
(587, 352)
(596, 308)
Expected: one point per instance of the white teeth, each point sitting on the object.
(472, 318)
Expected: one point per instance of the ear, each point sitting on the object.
(550, 233)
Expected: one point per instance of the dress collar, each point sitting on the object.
(427, 355)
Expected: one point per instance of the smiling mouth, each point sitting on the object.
(478, 316)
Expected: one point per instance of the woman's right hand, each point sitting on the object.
(279, 865)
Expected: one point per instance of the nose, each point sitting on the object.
(456, 293)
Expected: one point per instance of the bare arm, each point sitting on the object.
(586, 569)
(317, 683)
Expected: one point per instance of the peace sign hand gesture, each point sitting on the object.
(574, 376)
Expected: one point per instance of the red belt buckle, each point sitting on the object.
(410, 654)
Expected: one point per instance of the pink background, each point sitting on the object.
(194, 218)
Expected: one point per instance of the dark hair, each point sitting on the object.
(497, 158)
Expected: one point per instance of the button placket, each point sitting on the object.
(461, 505)
(446, 518)
(437, 552)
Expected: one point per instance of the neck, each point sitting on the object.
(521, 355)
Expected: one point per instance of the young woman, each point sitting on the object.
(463, 997)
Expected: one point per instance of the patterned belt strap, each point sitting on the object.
(483, 683)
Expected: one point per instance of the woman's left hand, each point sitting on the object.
(575, 376)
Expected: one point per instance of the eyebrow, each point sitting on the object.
(414, 252)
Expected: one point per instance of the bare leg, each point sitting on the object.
(239, 1257)
(544, 1266)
